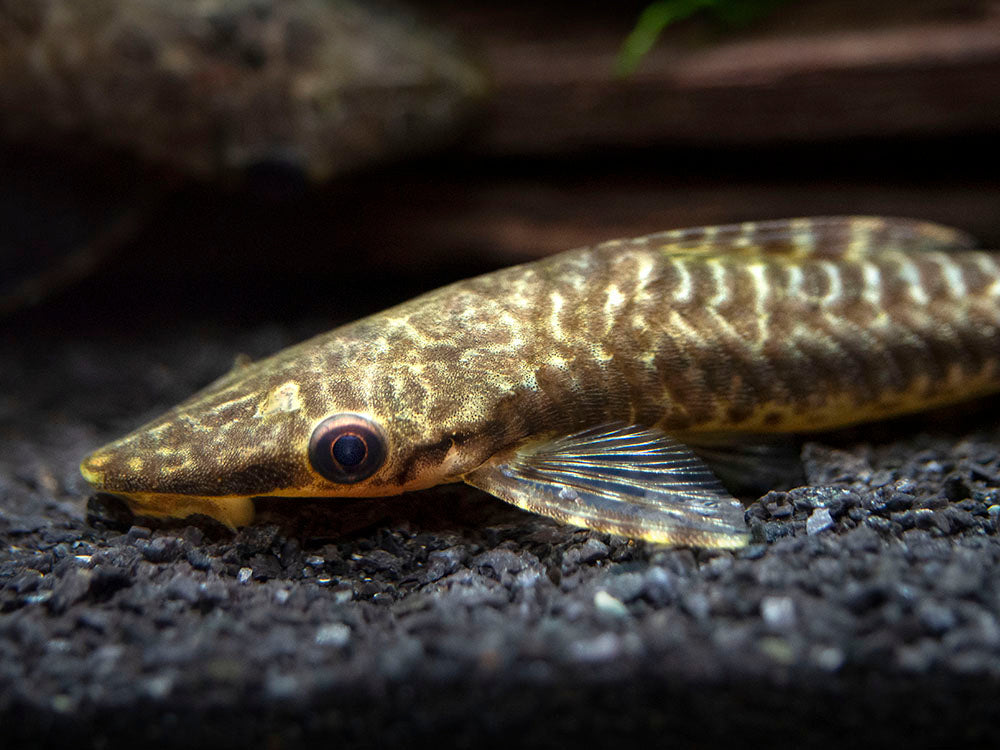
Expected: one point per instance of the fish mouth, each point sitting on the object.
(232, 510)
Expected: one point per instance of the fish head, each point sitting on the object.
(327, 418)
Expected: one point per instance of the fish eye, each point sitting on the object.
(346, 448)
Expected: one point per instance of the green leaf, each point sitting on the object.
(652, 21)
(662, 13)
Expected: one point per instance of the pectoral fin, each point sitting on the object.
(630, 481)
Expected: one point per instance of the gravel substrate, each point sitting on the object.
(866, 610)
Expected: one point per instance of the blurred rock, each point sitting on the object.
(314, 87)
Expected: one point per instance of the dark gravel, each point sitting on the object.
(866, 610)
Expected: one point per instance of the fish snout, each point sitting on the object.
(113, 470)
(92, 469)
(139, 483)
(133, 464)
(127, 466)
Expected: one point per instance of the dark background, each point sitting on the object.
(822, 107)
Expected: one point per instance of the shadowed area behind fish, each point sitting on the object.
(606, 387)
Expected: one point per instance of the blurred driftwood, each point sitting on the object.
(813, 70)
(827, 106)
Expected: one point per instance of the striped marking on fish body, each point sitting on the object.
(905, 331)
(800, 337)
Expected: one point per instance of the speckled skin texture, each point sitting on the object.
(772, 327)
(213, 87)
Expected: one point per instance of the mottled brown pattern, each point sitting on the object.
(783, 326)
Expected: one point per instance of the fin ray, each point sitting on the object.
(629, 481)
(821, 237)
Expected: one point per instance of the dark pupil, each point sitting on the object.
(349, 450)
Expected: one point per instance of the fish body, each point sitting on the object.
(605, 386)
